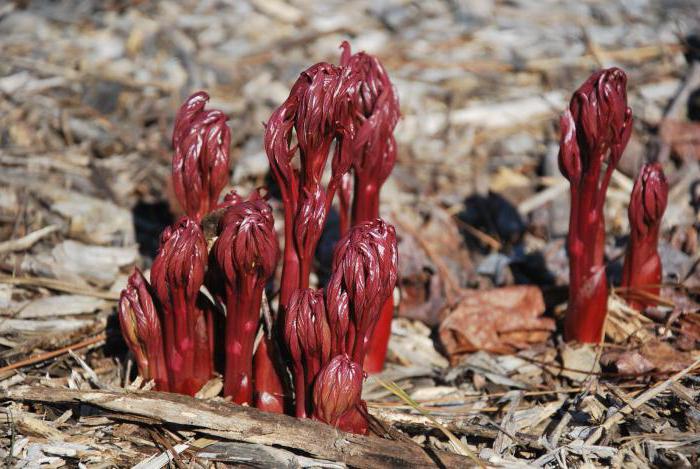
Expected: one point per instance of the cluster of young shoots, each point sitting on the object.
(201, 311)
(594, 133)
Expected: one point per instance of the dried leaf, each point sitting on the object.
(501, 320)
(652, 356)
(684, 137)
(579, 362)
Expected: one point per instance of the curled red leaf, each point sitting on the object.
(141, 327)
(308, 338)
(365, 269)
(641, 271)
(177, 275)
(337, 395)
(201, 141)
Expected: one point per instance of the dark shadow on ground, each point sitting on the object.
(494, 215)
(150, 219)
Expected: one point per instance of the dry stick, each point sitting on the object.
(55, 353)
(485, 238)
(627, 293)
(592, 379)
(452, 288)
(58, 285)
(448, 410)
(594, 49)
(574, 390)
(247, 424)
(27, 241)
(625, 398)
(543, 197)
(643, 398)
(639, 54)
(553, 438)
(457, 444)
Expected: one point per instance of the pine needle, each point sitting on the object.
(457, 444)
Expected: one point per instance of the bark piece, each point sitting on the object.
(240, 423)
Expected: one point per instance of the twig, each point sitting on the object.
(643, 398)
(630, 55)
(457, 444)
(485, 238)
(27, 241)
(246, 424)
(163, 459)
(452, 288)
(55, 353)
(547, 392)
(505, 439)
(59, 285)
(541, 198)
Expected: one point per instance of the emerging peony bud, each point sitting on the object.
(648, 200)
(642, 268)
(569, 154)
(338, 308)
(594, 132)
(201, 141)
(243, 258)
(278, 137)
(247, 243)
(337, 395)
(376, 113)
(597, 121)
(324, 94)
(319, 112)
(141, 328)
(177, 275)
(365, 264)
(308, 338)
(373, 149)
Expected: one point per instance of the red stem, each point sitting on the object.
(157, 365)
(301, 391)
(290, 264)
(172, 358)
(586, 242)
(269, 389)
(202, 369)
(243, 308)
(365, 204)
(642, 268)
(379, 340)
(344, 195)
(184, 344)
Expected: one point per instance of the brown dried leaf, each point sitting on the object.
(689, 336)
(501, 320)
(652, 356)
(684, 137)
(580, 360)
